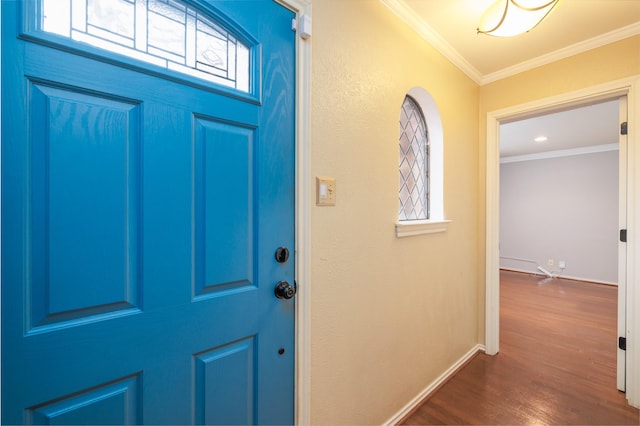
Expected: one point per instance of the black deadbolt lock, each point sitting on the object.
(282, 255)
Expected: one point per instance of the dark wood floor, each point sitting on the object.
(557, 362)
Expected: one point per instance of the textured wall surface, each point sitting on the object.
(389, 315)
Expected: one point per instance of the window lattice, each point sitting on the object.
(414, 160)
(166, 33)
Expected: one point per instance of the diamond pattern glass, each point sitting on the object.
(166, 33)
(414, 160)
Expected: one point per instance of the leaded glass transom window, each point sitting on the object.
(166, 33)
(414, 161)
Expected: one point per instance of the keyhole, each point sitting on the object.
(281, 351)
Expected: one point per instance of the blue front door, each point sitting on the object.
(146, 189)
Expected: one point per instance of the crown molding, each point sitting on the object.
(574, 49)
(561, 153)
(409, 16)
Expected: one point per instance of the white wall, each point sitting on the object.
(563, 208)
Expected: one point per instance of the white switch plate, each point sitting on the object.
(325, 191)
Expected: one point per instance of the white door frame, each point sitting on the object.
(623, 114)
(615, 89)
(302, 404)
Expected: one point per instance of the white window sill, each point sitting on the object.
(410, 228)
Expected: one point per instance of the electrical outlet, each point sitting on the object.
(562, 264)
(550, 262)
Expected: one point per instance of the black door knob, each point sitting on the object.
(284, 290)
(282, 255)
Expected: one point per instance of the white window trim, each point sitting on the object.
(409, 228)
(436, 222)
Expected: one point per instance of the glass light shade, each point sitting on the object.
(506, 18)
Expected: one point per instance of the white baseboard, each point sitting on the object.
(588, 280)
(396, 418)
(566, 277)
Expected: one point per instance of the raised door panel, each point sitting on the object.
(224, 205)
(84, 186)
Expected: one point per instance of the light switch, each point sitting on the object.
(325, 191)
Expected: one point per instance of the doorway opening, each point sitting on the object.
(562, 201)
(592, 95)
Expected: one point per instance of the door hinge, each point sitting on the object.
(622, 343)
(623, 235)
(623, 128)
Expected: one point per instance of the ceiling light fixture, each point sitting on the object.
(507, 18)
(541, 139)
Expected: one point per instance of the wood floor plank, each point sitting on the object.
(557, 362)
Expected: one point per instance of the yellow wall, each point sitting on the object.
(389, 315)
(608, 63)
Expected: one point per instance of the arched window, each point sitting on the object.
(174, 35)
(414, 163)
(421, 201)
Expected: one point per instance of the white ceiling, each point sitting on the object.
(588, 126)
(574, 26)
